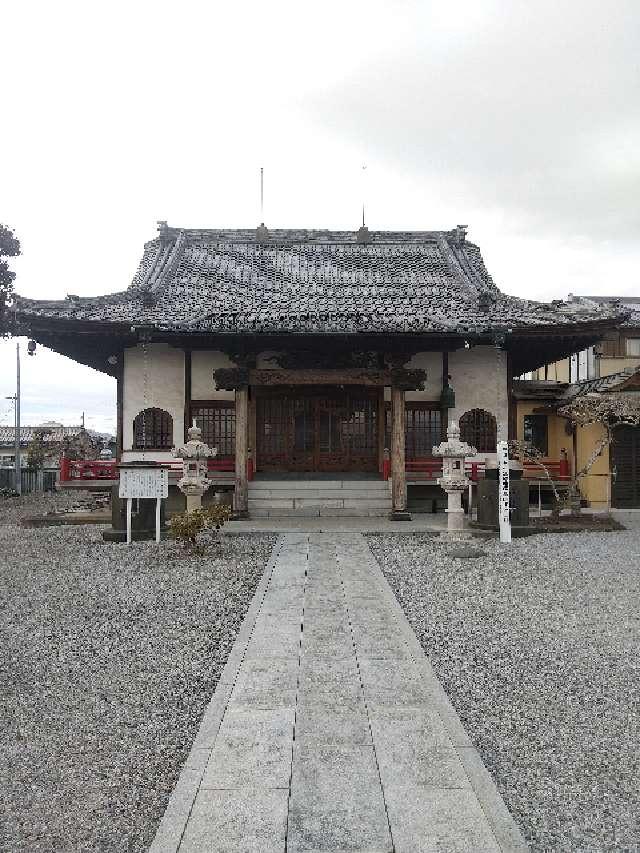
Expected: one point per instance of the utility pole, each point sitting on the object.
(18, 471)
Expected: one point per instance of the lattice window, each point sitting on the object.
(423, 429)
(217, 420)
(633, 347)
(153, 430)
(478, 428)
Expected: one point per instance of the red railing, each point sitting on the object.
(557, 470)
(430, 468)
(89, 469)
(107, 469)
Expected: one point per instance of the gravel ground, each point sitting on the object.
(536, 645)
(108, 657)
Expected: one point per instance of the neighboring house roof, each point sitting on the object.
(533, 389)
(248, 281)
(627, 303)
(618, 382)
(51, 435)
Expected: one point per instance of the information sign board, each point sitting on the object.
(144, 482)
(503, 492)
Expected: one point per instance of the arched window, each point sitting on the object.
(153, 430)
(478, 428)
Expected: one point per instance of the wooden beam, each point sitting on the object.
(241, 497)
(345, 376)
(232, 378)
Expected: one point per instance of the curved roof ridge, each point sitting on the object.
(296, 235)
(210, 281)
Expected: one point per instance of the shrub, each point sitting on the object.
(186, 526)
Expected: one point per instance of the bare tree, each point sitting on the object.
(524, 450)
(607, 410)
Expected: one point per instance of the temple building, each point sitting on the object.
(313, 354)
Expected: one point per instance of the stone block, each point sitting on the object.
(332, 726)
(426, 820)
(265, 684)
(253, 749)
(251, 820)
(336, 801)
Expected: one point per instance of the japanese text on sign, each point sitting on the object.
(144, 482)
(503, 492)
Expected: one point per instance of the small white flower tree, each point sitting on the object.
(527, 452)
(609, 411)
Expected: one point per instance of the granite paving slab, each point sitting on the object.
(330, 733)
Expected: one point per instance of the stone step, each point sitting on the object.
(291, 493)
(370, 502)
(318, 485)
(315, 512)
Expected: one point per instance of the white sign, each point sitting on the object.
(503, 492)
(144, 482)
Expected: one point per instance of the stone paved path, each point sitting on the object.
(329, 731)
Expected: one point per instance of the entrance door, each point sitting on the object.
(317, 429)
(625, 468)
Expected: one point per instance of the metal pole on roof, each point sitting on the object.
(262, 195)
(18, 472)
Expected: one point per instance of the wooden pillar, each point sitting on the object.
(187, 392)
(253, 436)
(398, 476)
(444, 411)
(381, 415)
(120, 407)
(241, 498)
(512, 430)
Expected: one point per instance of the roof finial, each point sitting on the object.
(364, 193)
(262, 232)
(262, 195)
(163, 230)
(362, 235)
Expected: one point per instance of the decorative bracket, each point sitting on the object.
(408, 380)
(231, 378)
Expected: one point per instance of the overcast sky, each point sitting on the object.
(518, 118)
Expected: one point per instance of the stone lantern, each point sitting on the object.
(194, 454)
(453, 480)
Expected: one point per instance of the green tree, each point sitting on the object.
(36, 452)
(9, 248)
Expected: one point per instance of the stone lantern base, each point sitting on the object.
(455, 512)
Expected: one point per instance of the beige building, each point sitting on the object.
(612, 365)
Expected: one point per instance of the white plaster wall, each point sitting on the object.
(203, 363)
(479, 380)
(165, 389)
(432, 363)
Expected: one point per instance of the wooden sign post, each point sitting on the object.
(503, 492)
(146, 483)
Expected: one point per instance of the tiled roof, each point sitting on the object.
(602, 384)
(631, 304)
(314, 281)
(28, 433)
(538, 389)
